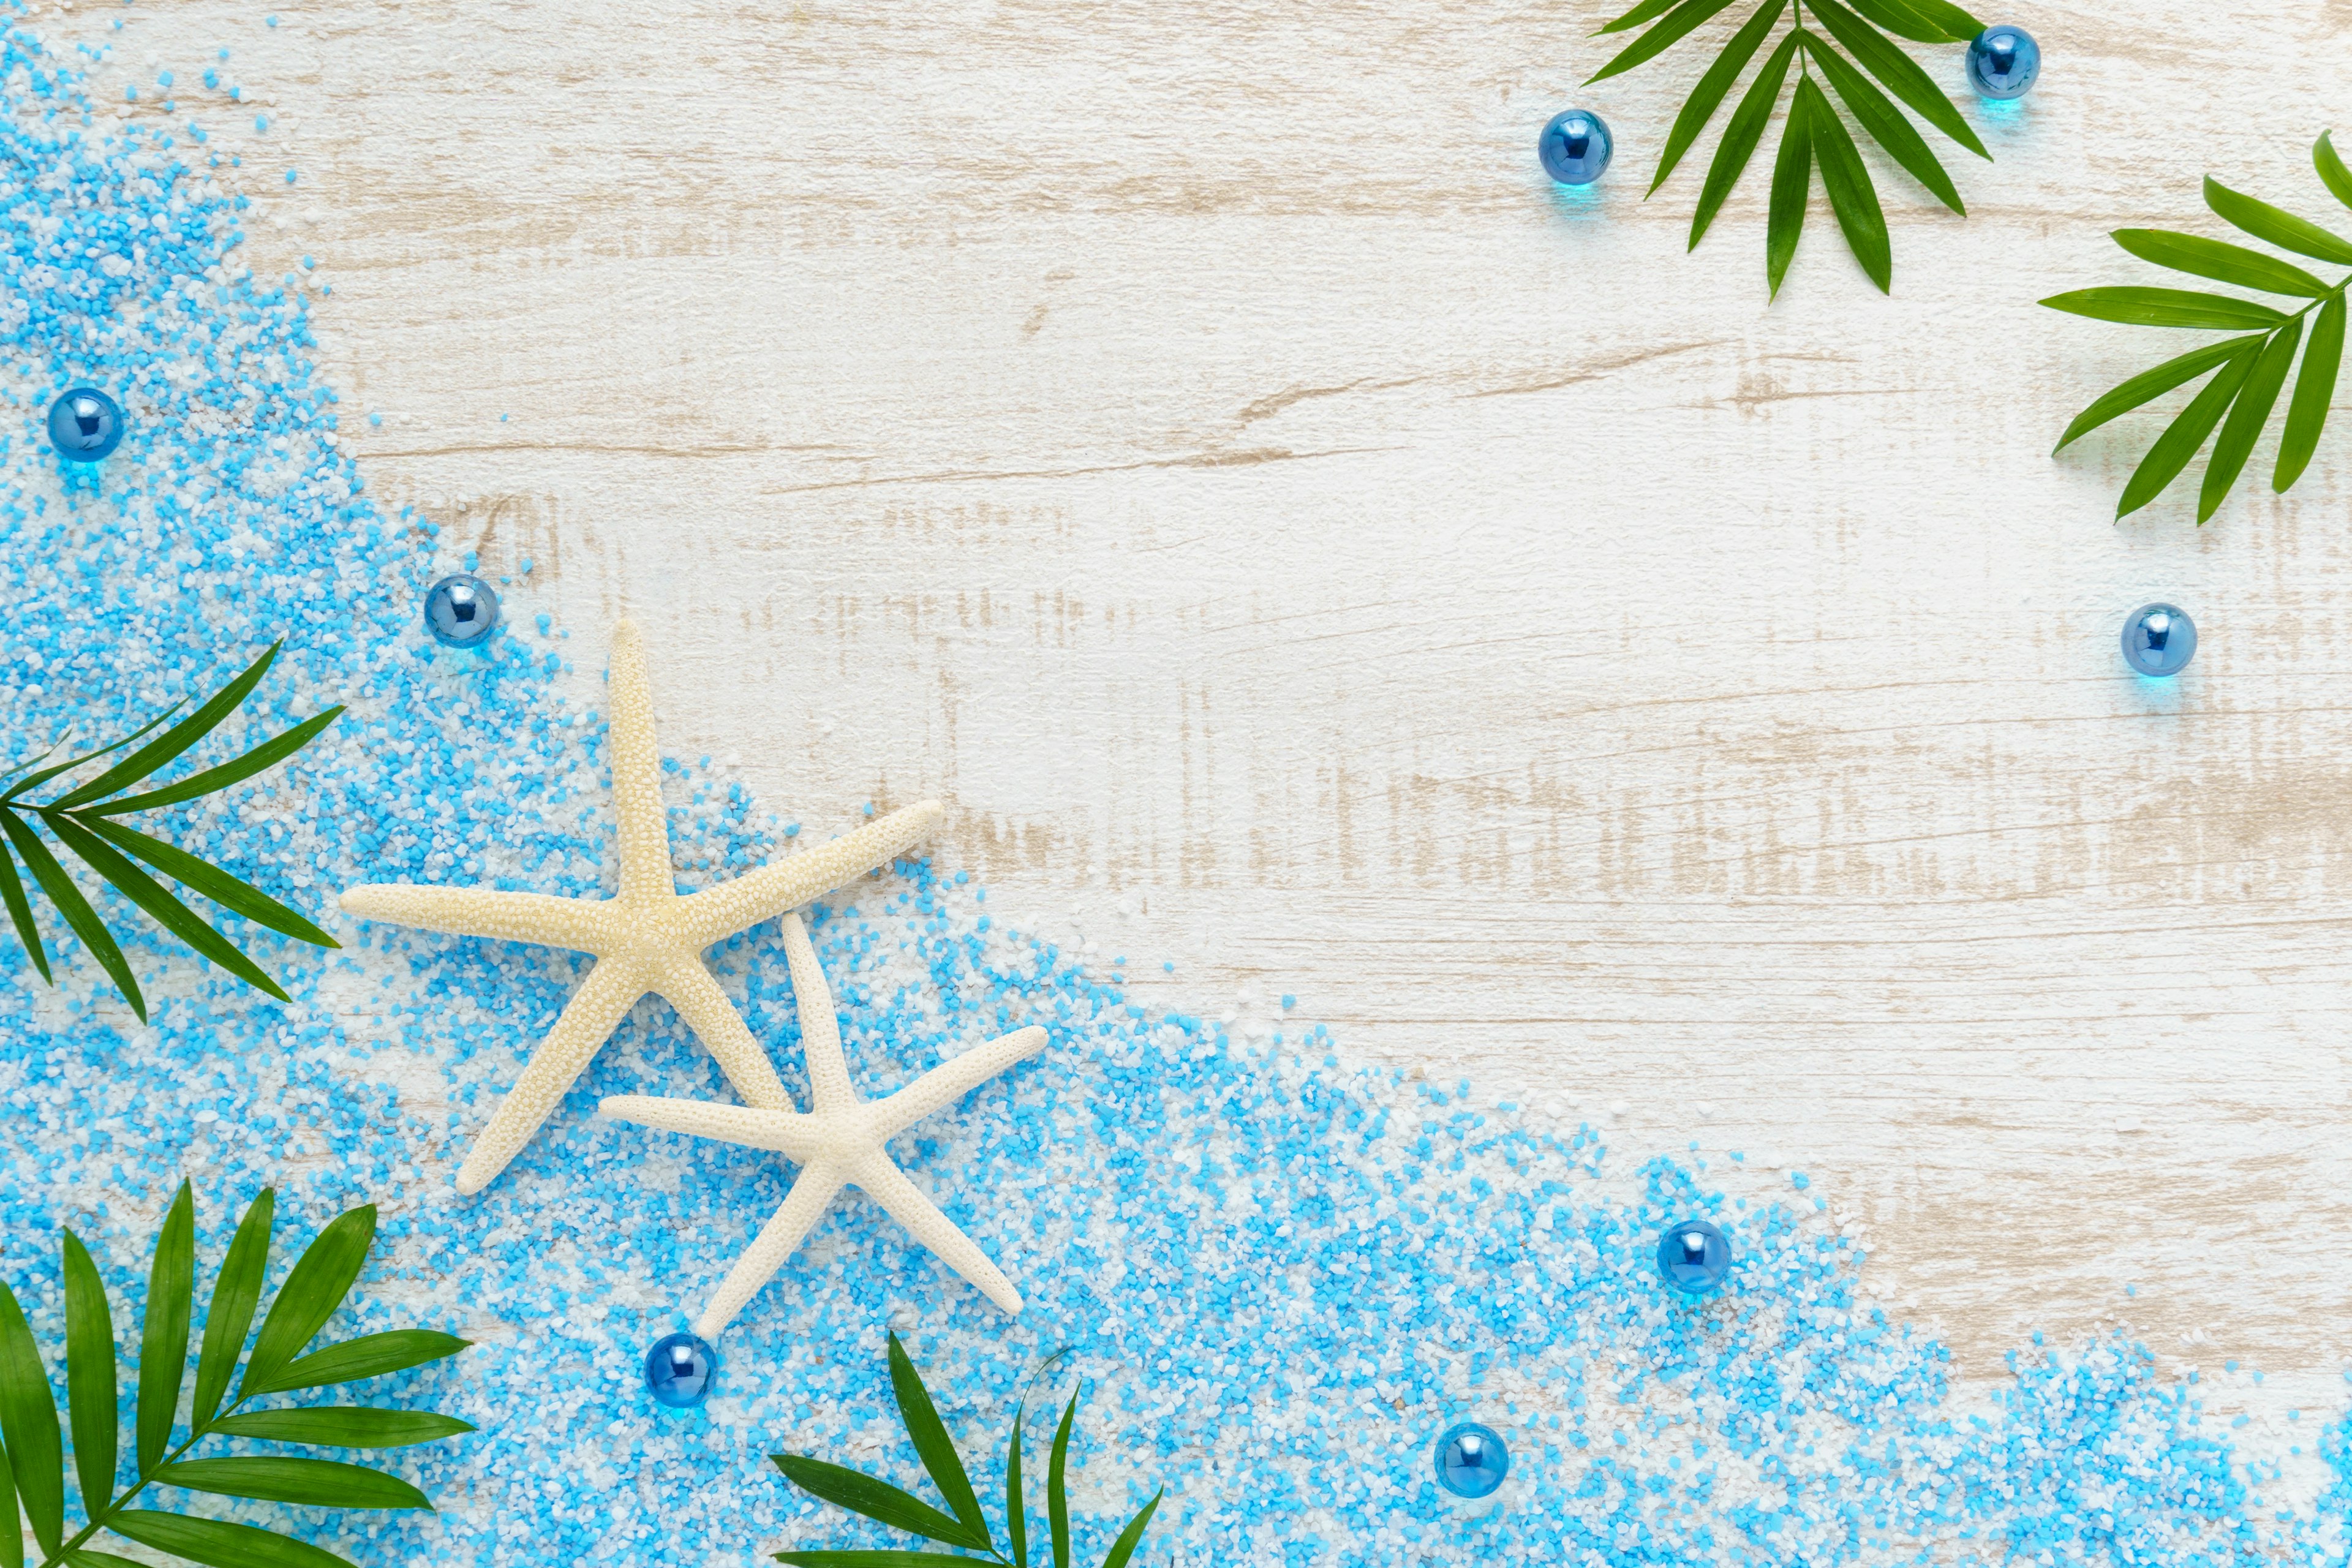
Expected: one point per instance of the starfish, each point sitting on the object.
(841, 1144)
(647, 938)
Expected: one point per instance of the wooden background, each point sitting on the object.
(1196, 442)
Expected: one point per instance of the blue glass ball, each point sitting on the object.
(2160, 640)
(680, 1371)
(1471, 1460)
(1575, 147)
(1694, 1257)
(85, 424)
(2003, 62)
(461, 611)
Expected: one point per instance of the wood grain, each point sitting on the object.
(1197, 443)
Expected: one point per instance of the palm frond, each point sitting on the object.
(314, 1289)
(1864, 68)
(968, 1529)
(82, 822)
(2247, 373)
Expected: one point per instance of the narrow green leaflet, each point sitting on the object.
(2165, 307)
(12, 1520)
(2307, 411)
(2219, 260)
(20, 913)
(932, 1445)
(235, 1292)
(877, 1501)
(1884, 123)
(314, 1287)
(867, 1559)
(1677, 24)
(2185, 435)
(1852, 197)
(163, 1338)
(89, 1375)
(220, 1544)
(2151, 384)
(168, 912)
(2246, 417)
(344, 1426)
(370, 1355)
(85, 1557)
(1016, 1508)
(2280, 227)
(1132, 1536)
(2332, 171)
(29, 1425)
(1740, 137)
(1792, 179)
(161, 749)
(1057, 1486)
(228, 891)
(1709, 94)
(316, 1483)
(1636, 16)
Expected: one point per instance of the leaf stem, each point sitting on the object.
(97, 1522)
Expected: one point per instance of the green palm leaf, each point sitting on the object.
(1871, 66)
(932, 1445)
(2249, 372)
(31, 1463)
(876, 1500)
(79, 820)
(370, 1355)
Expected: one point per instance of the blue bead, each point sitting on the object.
(461, 611)
(2003, 62)
(1575, 147)
(1694, 1257)
(85, 424)
(680, 1371)
(1471, 1460)
(2160, 640)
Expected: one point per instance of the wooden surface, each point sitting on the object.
(1302, 546)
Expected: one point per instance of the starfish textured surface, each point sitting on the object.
(647, 939)
(841, 1143)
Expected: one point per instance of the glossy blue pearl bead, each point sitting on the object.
(85, 424)
(461, 611)
(2160, 640)
(2003, 62)
(680, 1371)
(1471, 1460)
(1694, 1257)
(1575, 147)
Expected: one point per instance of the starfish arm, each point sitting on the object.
(888, 1185)
(955, 1078)
(785, 1133)
(637, 814)
(787, 884)
(828, 1070)
(610, 989)
(811, 1195)
(687, 986)
(573, 923)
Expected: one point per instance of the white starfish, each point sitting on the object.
(646, 939)
(838, 1145)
